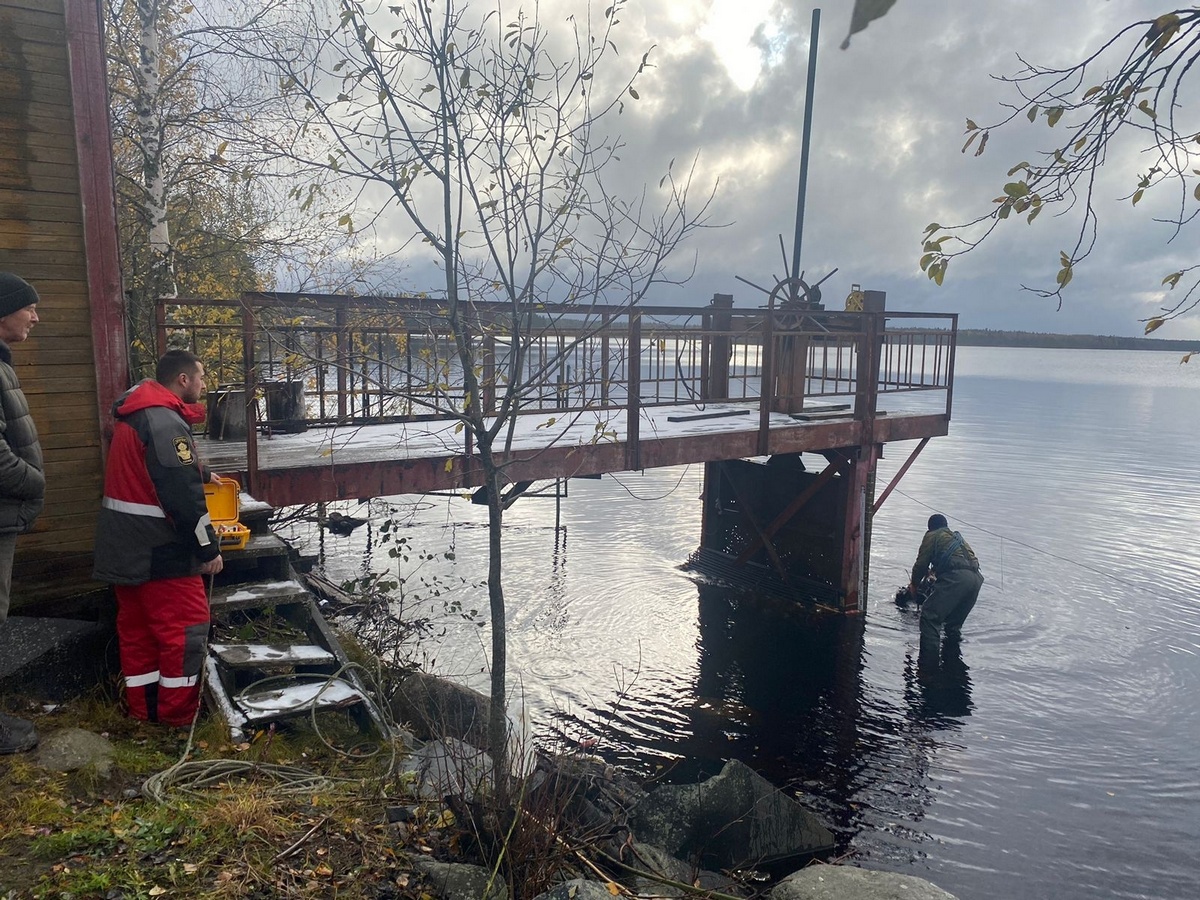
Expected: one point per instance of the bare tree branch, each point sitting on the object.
(1130, 92)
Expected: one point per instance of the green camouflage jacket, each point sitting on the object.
(946, 551)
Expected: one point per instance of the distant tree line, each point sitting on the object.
(987, 337)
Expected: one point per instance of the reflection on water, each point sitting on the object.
(1054, 748)
(938, 693)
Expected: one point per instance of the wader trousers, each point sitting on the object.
(952, 600)
(162, 628)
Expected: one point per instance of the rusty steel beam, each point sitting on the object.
(909, 428)
(322, 480)
(249, 389)
(854, 531)
(811, 437)
(312, 484)
(633, 403)
(836, 465)
(912, 457)
(763, 539)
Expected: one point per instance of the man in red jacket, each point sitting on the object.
(155, 541)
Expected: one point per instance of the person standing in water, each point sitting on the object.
(956, 586)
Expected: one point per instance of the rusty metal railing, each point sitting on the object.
(377, 360)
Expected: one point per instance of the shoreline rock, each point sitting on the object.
(826, 882)
(437, 708)
(734, 820)
(683, 833)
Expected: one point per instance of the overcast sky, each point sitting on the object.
(888, 125)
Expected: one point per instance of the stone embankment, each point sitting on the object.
(672, 841)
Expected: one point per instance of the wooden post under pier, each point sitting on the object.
(817, 541)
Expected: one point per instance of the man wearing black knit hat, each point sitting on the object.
(955, 590)
(22, 482)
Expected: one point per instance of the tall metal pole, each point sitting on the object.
(808, 109)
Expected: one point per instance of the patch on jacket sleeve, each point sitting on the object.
(183, 450)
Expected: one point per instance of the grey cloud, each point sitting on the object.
(888, 125)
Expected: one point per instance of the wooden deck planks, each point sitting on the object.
(294, 471)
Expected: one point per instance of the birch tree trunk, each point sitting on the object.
(150, 130)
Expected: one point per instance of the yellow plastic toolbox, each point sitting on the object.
(224, 507)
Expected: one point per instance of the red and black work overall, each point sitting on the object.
(153, 533)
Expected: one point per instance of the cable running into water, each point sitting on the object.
(652, 499)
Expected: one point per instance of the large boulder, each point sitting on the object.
(733, 820)
(72, 749)
(449, 767)
(459, 881)
(848, 883)
(656, 861)
(437, 708)
(578, 889)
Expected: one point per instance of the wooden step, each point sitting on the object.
(297, 699)
(255, 514)
(250, 508)
(294, 606)
(271, 656)
(252, 595)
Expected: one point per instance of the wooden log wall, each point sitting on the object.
(58, 231)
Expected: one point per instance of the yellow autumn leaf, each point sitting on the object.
(613, 888)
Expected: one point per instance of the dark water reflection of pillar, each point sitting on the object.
(796, 674)
(557, 589)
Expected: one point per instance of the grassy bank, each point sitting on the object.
(88, 834)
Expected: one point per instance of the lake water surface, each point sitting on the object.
(1058, 757)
